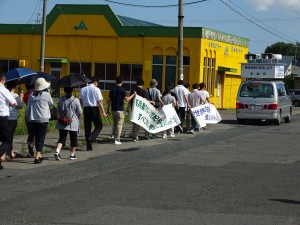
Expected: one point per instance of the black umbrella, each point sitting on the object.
(31, 79)
(73, 80)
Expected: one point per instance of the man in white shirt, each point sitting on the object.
(183, 103)
(91, 99)
(6, 99)
(204, 94)
(204, 98)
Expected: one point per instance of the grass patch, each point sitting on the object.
(22, 129)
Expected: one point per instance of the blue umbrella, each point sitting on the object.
(18, 73)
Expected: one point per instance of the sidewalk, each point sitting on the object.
(104, 143)
(103, 146)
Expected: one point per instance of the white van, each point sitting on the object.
(263, 100)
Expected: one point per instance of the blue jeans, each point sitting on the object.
(194, 123)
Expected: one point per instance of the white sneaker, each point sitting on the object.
(136, 139)
(57, 156)
(192, 131)
(117, 143)
(172, 135)
(164, 136)
(72, 157)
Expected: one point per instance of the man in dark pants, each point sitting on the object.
(183, 103)
(6, 99)
(117, 95)
(91, 99)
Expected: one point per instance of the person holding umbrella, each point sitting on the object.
(38, 114)
(6, 99)
(13, 113)
(69, 111)
(92, 100)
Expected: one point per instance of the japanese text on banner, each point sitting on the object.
(151, 119)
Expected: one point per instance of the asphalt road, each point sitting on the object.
(228, 175)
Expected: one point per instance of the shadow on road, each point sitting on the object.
(128, 150)
(287, 201)
(228, 122)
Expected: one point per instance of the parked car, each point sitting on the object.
(295, 96)
(263, 100)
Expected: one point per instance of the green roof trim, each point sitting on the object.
(123, 26)
(227, 69)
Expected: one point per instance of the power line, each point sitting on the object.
(37, 3)
(154, 6)
(259, 20)
(271, 32)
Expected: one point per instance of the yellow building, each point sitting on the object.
(91, 39)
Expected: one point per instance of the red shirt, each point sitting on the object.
(26, 96)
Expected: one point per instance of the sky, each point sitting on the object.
(263, 22)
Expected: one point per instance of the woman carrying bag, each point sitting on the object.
(69, 111)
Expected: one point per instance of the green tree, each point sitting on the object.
(284, 49)
(289, 81)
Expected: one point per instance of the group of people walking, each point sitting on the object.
(39, 103)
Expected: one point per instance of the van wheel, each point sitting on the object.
(296, 103)
(288, 119)
(278, 120)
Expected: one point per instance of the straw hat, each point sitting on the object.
(153, 83)
(41, 84)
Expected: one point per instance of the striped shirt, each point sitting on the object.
(14, 110)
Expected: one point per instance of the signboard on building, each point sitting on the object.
(262, 70)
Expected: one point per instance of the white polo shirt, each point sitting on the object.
(180, 92)
(204, 96)
(6, 98)
(90, 95)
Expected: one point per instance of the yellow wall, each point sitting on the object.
(230, 56)
(230, 89)
(97, 25)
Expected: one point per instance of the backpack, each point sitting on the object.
(65, 116)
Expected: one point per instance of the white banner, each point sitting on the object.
(204, 114)
(153, 120)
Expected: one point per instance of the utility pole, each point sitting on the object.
(180, 40)
(43, 38)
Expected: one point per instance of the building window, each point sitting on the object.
(157, 69)
(205, 70)
(186, 69)
(82, 68)
(209, 74)
(213, 77)
(7, 65)
(170, 76)
(130, 73)
(106, 73)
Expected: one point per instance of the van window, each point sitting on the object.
(257, 90)
(281, 89)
